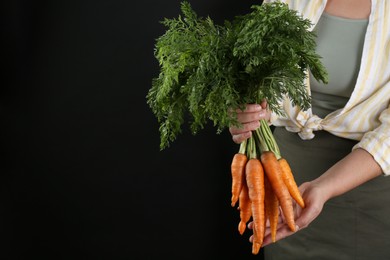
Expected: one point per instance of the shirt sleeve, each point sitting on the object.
(377, 142)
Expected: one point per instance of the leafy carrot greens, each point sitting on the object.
(206, 69)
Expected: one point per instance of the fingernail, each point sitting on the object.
(262, 113)
(296, 228)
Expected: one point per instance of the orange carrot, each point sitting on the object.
(274, 173)
(271, 207)
(255, 180)
(289, 180)
(237, 170)
(255, 246)
(244, 207)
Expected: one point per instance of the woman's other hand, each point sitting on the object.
(314, 202)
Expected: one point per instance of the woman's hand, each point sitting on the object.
(314, 202)
(250, 120)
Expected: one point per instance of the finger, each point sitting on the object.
(267, 223)
(279, 226)
(250, 225)
(251, 239)
(239, 138)
(246, 127)
(307, 216)
(241, 134)
(267, 231)
(251, 116)
(249, 108)
(281, 216)
(251, 112)
(283, 232)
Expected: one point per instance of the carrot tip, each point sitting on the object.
(256, 248)
(241, 227)
(233, 200)
(292, 227)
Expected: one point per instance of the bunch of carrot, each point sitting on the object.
(262, 181)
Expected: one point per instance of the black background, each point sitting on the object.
(82, 176)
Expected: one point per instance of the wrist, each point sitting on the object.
(323, 187)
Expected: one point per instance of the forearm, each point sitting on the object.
(353, 170)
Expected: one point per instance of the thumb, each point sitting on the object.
(307, 216)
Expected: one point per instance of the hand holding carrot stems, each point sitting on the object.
(250, 120)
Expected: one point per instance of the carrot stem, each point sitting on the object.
(251, 149)
(266, 140)
(242, 148)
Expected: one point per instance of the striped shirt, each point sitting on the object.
(366, 116)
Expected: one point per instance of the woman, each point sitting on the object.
(339, 149)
